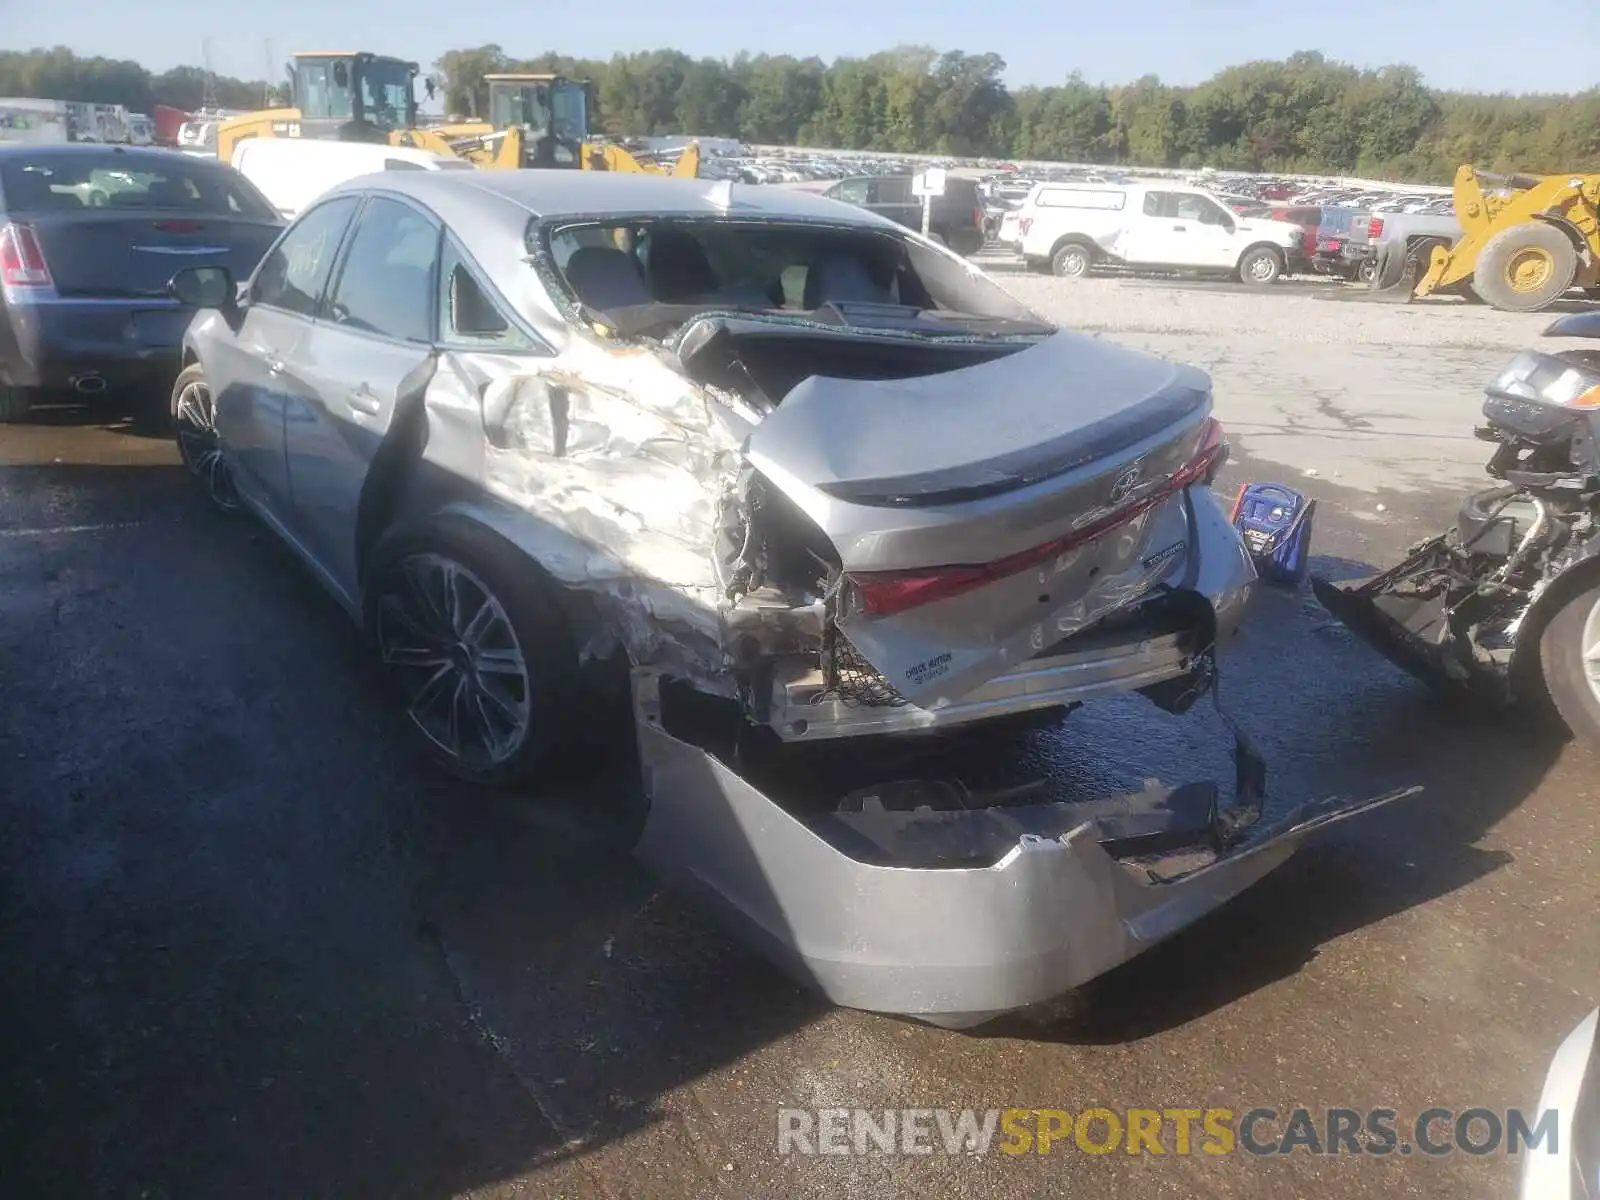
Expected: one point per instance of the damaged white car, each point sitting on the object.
(808, 493)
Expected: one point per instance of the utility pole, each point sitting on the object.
(208, 98)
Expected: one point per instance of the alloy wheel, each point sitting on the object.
(449, 643)
(1590, 648)
(195, 415)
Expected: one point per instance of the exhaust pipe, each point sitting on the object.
(87, 385)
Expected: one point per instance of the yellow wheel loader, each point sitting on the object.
(542, 121)
(539, 121)
(342, 95)
(1525, 240)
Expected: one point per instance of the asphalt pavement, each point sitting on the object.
(254, 948)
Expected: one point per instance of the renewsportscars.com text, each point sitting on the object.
(1258, 1132)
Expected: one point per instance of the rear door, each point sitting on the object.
(250, 372)
(892, 198)
(376, 327)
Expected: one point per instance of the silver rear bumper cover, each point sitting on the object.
(953, 946)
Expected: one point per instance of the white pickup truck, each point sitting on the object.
(1068, 227)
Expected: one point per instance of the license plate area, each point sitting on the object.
(160, 326)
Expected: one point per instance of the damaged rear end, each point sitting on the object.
(908, 554)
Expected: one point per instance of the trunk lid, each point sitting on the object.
(133, 255)
(983, 514)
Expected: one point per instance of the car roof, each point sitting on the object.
(138, 154)
(545, 194)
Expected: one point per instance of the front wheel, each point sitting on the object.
(194, 421)
(1569, 657)
(1261, 266)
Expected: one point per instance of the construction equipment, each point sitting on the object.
(542, 121)
(345, 95)
(539, 121)
(1525, 240)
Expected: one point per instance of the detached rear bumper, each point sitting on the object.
(947, 913)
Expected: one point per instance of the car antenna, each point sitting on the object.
(722, 194)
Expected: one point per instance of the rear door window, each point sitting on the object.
(386, 284)
(896, 190)
(854, 191)
(296, 270)
(469, 312)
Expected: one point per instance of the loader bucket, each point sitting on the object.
(1395, 274)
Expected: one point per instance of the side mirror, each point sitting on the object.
(209, 287)
(204, 287)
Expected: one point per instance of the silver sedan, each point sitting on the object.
(790, 485)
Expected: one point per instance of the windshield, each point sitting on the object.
(321, 94)
(386, 94)
(524, 105)
(45, 182)
(569, 103)
(651, 274)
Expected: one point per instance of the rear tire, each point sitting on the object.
(1525, 268)
(1071, 261)
(1566, 640)
(523, 683)
(15, 403)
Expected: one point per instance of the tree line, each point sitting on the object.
(1305, 113)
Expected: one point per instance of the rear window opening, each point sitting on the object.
(74, 183)
(648, 275)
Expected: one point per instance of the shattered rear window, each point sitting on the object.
(778, 267)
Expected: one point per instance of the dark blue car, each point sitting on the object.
(89, 237)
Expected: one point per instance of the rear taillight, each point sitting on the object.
(1024, 224)
(179, 226)
(22, 263)
(883, 593)
(1374, 229)
(977, 218)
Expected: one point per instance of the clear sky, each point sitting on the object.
(1489, 45)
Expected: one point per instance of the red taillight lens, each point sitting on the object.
(977, 218)
(1024, 224)
(883, 593)
(1375, 229)
(21, 261)
(179, 226)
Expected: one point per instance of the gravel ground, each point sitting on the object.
(1378, 396)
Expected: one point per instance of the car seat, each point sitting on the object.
(842, 277)
(679, 269)
(604, 277)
